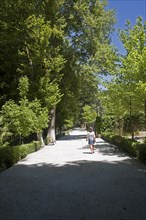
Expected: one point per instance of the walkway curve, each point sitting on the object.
(67, 182)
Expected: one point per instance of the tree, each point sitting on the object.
(12, 39)
(88, 50)
(32, 42)
(133, 70)
(5, 134)
(46, 67)
(89, 115)
(25, 117)
(62, 47)
(125, 95)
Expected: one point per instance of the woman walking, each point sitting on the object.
(91, 139)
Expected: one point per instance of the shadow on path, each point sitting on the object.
(77, 133)
(105, 148)
(81, 190)
(85, 189)
(72, 137)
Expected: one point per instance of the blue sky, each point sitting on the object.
(126, 10)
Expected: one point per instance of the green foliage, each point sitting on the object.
(40, 116)
(89, 114)
(87, 52)
(4, 133)
(132, 147)
(18, 118)
(133, 64)
(11, 155)
(25, 118)
(49, 93)
(43, 62)
(98, 124)
(68, 124)
(108, 123)
(136, 121)
(62, 47)
(129, 146)
(142, 152)
(67, 109)
(125, 94)
(23, 87)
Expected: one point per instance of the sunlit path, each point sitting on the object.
(67, 182)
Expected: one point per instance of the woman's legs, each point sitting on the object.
(91, 145)
(92, 148)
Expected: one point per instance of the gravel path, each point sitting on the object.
(67, 182)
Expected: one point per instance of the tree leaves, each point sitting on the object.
(62, 47)
(89, 114)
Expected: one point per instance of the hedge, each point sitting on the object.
(11, 155)
(132, 147)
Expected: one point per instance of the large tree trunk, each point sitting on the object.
(121, 126)
(51, 137)
(40, 138)
(131, 119)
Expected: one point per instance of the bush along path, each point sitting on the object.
(65, 181)
(132, 147)
(11, 155)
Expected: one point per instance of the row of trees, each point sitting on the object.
(125, 97)
(51, 53)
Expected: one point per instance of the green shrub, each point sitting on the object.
(132, 147)
(5, 157)
(11, 155)
(142, 152)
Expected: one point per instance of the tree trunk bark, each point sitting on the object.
(51, 137)
(132, 128)
(40, 138)
(131, 120)
(121, 126)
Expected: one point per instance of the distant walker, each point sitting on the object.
(91, 139)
